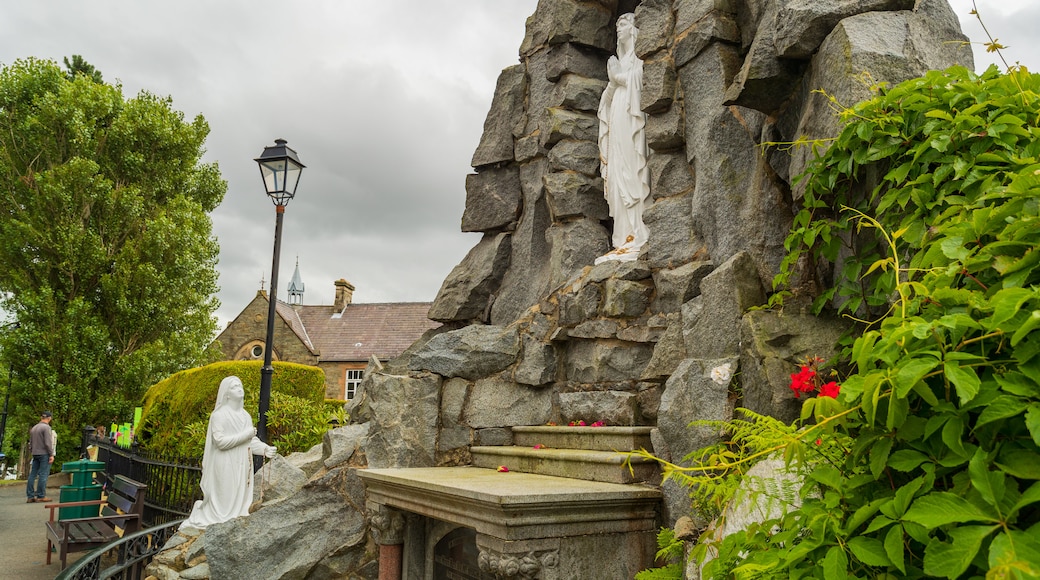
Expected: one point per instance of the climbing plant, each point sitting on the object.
(929, 202)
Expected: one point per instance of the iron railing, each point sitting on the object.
(133, 554)
(173, 482)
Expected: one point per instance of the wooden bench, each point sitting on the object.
(123, 508)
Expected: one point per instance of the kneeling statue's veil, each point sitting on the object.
(227, 463)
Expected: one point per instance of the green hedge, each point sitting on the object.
(175, 412)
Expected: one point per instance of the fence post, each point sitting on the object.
(88, 431)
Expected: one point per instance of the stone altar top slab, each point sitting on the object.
(514, 505)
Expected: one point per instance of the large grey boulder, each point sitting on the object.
(503, 119)
(492, 199)
(471, 352)
(560, 21)
(801, 25)
(712, 326)
(282, 541)
(343, 444)
(773, 345)
(466, 293)
(404, 415)
(694, 393)
(278, 478)
(497, 401)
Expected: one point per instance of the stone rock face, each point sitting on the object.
(534, 331)
(774, 344)
(470, 353)
(281, 540)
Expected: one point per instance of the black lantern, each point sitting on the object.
(281, 169)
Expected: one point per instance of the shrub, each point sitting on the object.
(176, 411)
(938, 425)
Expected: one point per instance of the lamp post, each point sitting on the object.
(280, 169)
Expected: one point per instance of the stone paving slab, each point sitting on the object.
(23, 540)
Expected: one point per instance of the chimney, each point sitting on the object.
(344, 294)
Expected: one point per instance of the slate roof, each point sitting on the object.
(360, 330)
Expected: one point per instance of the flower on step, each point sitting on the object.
(539, 446)
(551, 423)
(598, 424)
(503, 469)
(578, 423)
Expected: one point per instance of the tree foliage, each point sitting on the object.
(107, 250)
(931, 193)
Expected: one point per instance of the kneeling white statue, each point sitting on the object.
(227, 462)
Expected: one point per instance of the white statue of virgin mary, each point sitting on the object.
(622, 145)
(227, 462)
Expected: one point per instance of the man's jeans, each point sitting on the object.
(41, 468)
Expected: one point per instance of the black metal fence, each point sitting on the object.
(173, 482)
(133, 552)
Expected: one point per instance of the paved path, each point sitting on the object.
(23, 541)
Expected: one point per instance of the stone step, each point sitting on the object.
(589, 465)
(593, 438)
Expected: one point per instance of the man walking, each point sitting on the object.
(41, 446)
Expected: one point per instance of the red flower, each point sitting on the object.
(830, 389)
(803, 381)
(598, 424)
(503, 469)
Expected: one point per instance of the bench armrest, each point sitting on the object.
(53, 506)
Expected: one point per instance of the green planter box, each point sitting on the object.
(82, 471)
(79, 493)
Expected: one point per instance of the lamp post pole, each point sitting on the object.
(267, 371)
(280, 168)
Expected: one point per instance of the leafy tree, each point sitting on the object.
(79, 66)
(107, 249)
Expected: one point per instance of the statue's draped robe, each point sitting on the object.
(227, 468)
(622, 144)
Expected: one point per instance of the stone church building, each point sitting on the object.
(340, 339)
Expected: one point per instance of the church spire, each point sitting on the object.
(296, 285)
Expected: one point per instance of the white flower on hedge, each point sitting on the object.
(722, 374)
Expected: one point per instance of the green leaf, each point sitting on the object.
(1029, 497)
(964, 380)
(990, 484)
(942, 507)
(1033, 422)
(879, 456)
(894, 547)
(1014, 554)
(1020, 463)
(1006, 303)
(1002, 407)
(870, 551)
(911, 372)
(836, 563)
(951, 560)
(1028, 326)
(906, 459)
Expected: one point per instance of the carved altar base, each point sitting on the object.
(468, 522)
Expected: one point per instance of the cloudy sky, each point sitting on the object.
(384, 102)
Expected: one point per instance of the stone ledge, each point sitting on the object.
(514, 506)
(596, 438)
